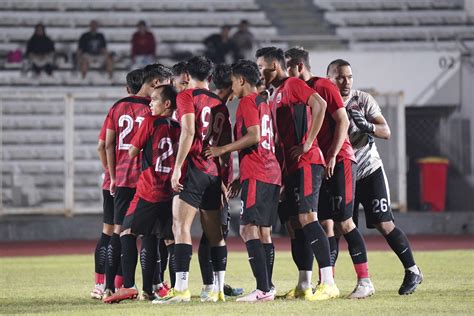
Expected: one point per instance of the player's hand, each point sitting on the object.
(225, 193)
(175, 177)
(113, 187)
(361, 122)
(297, 151)
(234, 188)
(282, 194)
(212, 152)
(329, 170)
(224, 197)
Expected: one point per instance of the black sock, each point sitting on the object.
(205, 261)
(182, 257)
(148, 258)
(157, 276)
(129, 259)
(219, 258)
(258, 263)
(172, 265)
(270, 259)
(319, 243)
(356, 246)
(163, 253)
(301, 251)
(113, 261)
(100, 255)
(333, 249)
(399, 243)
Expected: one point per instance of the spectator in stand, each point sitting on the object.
(143, 47)
(40, 51)
(219, 46)
(243, 40)
(92, 49)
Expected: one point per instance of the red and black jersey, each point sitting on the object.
(103, 131)
(259, 161)
(158, 136)
(124, 118)
(330, 93)
(292, 119)
(211, 123)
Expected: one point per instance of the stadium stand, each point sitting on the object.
(179, 28)
(386, 24)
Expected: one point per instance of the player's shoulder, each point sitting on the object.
(324, 83)
(293, 81)
(207, 93)
(131, 99)
(163, 121)
(364, 97)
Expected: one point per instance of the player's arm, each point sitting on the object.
(110, 153)
(101, 153)
(340, 133)
(225, 139)
(318, 109)
(377, 126)
(139, 139)
(248, 140)
(382, 130)
(133, 151)
(186, 138)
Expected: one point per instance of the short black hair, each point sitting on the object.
(199, 67)
(134, 80)
(270, 54)
(168, 92)
(156, 71)
(338, 63)
(248, 70)
(221, 76)
(179, 68)
(298, 55)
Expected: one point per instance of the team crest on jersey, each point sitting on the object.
(278, 98)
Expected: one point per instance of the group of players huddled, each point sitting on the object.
(306, 153)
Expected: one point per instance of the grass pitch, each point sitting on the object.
(61, 284)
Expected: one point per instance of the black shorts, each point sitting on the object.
(145, 218)
(259, 203)
(108, 207)
(201, 190)
(374, 195)
(225, 214)
(123, 197)
(301, 192)
(336, 199)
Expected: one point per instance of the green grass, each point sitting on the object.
(61, 285)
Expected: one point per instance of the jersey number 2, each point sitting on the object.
(159, 162)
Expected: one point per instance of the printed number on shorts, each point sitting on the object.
(216, 124)
(379, 205)
(267, 133)
(296, 193)
(241, 207)
(159, 162)
(127, 130)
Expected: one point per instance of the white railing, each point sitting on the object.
(32, 179)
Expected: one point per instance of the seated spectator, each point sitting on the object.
(143, 47)
(243, 40)
(92, 49)
(40, 51)
(219, 46)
